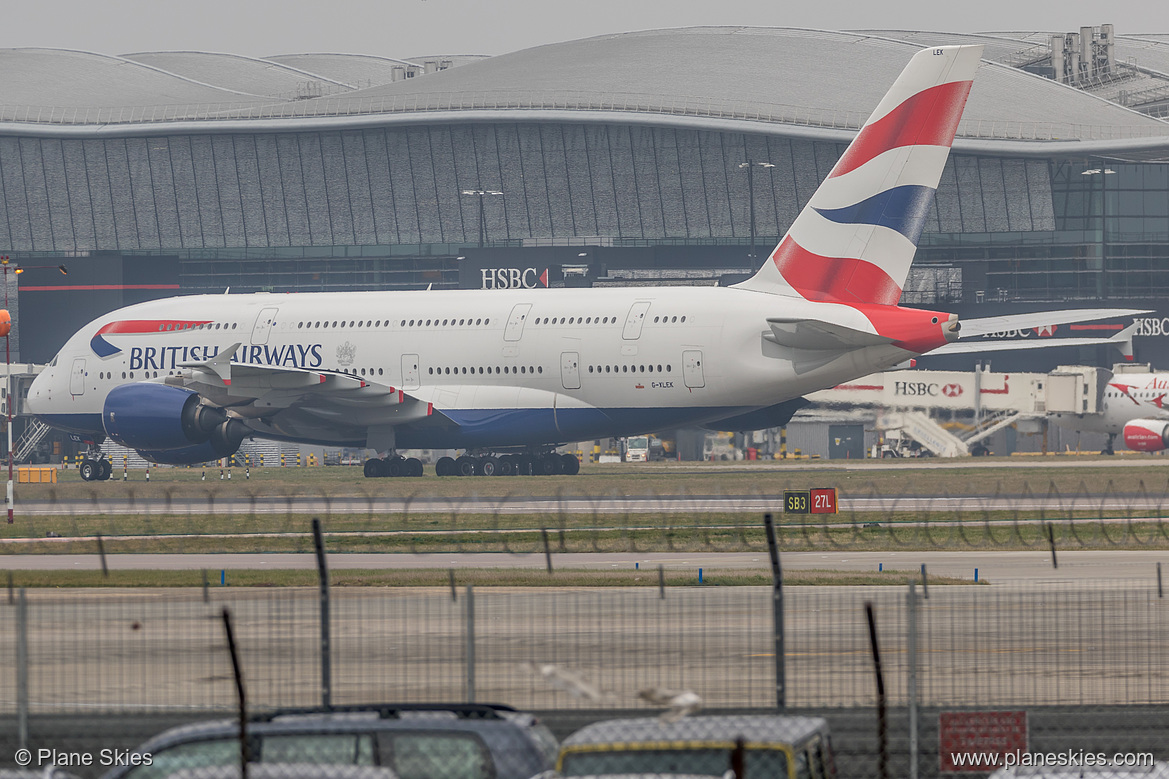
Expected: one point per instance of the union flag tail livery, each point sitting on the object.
(855, 240)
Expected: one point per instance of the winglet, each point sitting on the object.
(1123, 341)
(220, 364)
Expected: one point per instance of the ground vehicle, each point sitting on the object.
(791, 747)
(416, 741)
(637, 449)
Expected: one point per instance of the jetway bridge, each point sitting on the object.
(908, 404)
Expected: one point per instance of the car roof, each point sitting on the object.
(765, 729)
(286, 771)
(481, 718)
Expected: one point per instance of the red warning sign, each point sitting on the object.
(966, 739)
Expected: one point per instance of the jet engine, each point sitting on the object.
(170, 425)
(1147, 435)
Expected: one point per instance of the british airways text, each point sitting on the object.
(168, 357)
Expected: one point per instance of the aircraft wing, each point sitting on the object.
(1008, 322)
(254, 391)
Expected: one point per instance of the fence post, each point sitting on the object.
(882, 728)
(911, 614)
(326, 651)
(470, 643)
(22, 670)
(777, 614)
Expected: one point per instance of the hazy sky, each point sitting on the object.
(406, 28)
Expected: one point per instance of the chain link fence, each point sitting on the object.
(1057, 666)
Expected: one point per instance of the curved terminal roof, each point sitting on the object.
(240, 74)
(61, 78)
(357, 70)
(775, 80)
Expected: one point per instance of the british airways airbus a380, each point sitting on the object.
(185, 380)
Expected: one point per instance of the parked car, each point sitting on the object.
(415, 741)
(788, 747)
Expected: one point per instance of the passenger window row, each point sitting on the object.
(506, 369)
(451, 322)
(628, 369)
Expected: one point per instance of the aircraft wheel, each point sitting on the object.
(569, 465)
(90, 470)
(488, 466)
(507, 465)
(373, 468)
(548, 465)
(413, 467)
(394, 466)
(445, 467)
(107, 470)
(465, 466)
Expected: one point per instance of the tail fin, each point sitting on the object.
(855, 240)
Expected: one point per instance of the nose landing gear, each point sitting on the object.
(95, 466)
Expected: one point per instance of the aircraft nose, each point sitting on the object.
(38, 393)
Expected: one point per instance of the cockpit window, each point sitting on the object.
(53, 362)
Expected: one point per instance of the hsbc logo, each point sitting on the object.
(513, 278)
(952, 390)
(1152, 326)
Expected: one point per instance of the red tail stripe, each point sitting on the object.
(929, 118)
(834, 279)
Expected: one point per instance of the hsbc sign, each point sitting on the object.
(952, 390)
(513, 278)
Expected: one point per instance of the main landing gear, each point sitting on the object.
(533, 464)
(393, 465)
(94, 466)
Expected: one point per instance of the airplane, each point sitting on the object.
(506, 375)
(1134, 406)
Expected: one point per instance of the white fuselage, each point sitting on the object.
(604, 361)
(1126, 397)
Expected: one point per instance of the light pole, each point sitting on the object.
(750, 166)
(6, 330)
(481, 193)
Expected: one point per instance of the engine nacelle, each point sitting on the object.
(169, 424)
(190, 455)
(1147, 435)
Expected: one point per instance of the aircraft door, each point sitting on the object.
(410, 379)
(570, 370)
(77, 377)
(515, 322)
(692, 369)
(634, 320)
(264, 323)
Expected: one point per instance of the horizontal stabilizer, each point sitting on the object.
(1008, 322)
(818, 335)
(1122, 341)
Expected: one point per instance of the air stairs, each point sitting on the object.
(34, 432)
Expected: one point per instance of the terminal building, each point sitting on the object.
(660, 157)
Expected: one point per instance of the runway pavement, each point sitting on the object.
(676, 504)
(1001, 568)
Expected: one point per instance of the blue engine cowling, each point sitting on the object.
(188, 455)
(169, 424)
